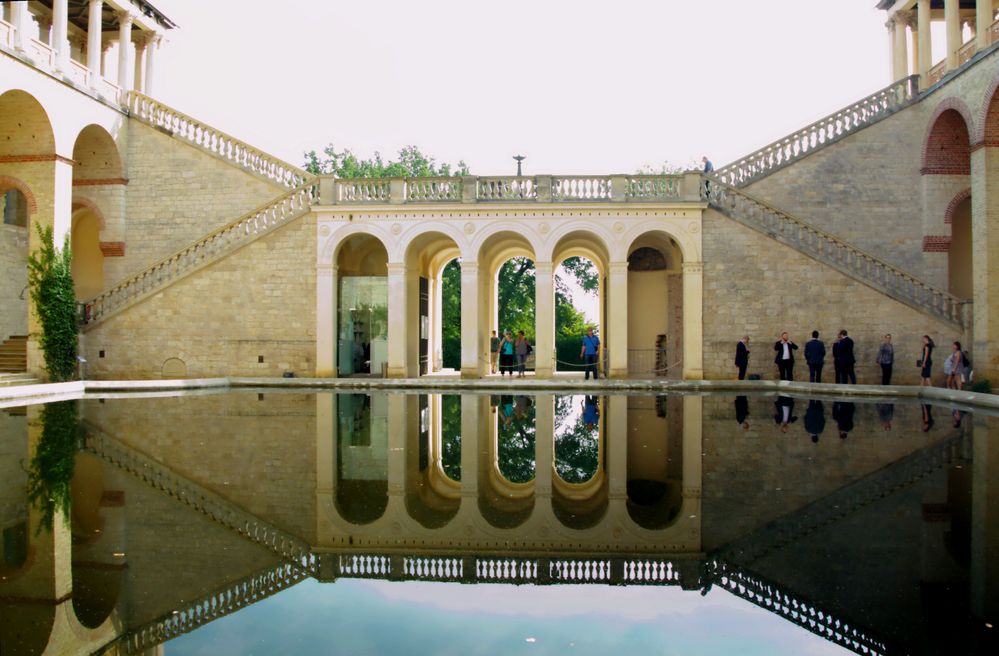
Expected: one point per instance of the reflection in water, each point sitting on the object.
(50, 473)
(884, 542)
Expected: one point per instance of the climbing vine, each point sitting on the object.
(51, 281)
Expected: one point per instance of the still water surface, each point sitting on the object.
(268, 523)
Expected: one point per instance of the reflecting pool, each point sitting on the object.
(274, 522)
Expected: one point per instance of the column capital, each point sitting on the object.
(693, 267)
(326, 270)
(544, 267)
(469, 266)
(618, 268)
(124, 16)
(397, 268)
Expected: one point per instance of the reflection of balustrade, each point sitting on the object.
(201, 499)
(829, 249)
(823, 132)
(218, 143)
(209, 608)
(206, 250)
(794, 609)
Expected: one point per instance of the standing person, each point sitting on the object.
(522, 347)
(958, 367)
(590, 352)
(815, 356)
(494, 343)
(506, 349)
(925, 362)
(847, 360)
(886, 357)
(785, 349)
(742, 356)
(708, 166)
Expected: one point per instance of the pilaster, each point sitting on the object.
(693, 326)
(985, 259)
(544, 318)
(472, 330)
(616, 333)
(398, 314)
(125, 50)
(326, 314)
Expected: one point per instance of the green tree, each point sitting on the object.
(411, 163)
(577, 445)
(51, 281)
(451, 314)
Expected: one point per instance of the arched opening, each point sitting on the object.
(960, 254)
(88, 260)
(511, 293)
(507, 499)
(96, 156)
(433, 468)
(655, 460)
(655, 307)
(581, 264)
(579, 487)
(948, 147)
(361, 494)
(362, 306)
(435, 316)
(13, 280)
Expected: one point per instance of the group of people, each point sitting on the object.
(503, 350)
(957, 367)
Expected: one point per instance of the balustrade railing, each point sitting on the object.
(209, 608)
(42, 53)
(223, 512)
(823, 132)
(218, 143)
(592, 188)
(6, 35)
(506, 188)
(653, 187)
(376, 190)
(994, 32)
(829, 249)
(967, 51)
(78, 73)
(433, 190)
(936, 73)
(209, 248)
(109, 90)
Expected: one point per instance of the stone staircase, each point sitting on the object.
(838, 125)
(833, 251)
(14, 380)
(14, 355)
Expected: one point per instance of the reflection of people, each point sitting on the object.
(784, 412)
(506, 347)
(506, 406)
(590, 352)
(957, 416)
(521, 406)
(842, 412)
(494, 343)
(815, 356)
(785, 349)
(742, 411)
(742, 356)
(815, 419)
(927, 417)
(591, 412)
(886, 412)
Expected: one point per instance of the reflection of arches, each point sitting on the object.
(26, 625)
(959, 254)
(655, 305)
(432, 497)
(174, 368)
(88, 260)
(947, 148)
(655, 461)
(579, 481)
(362, 457)
(506, 499)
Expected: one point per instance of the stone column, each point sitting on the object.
(544, 319)
(900, 63)
(472, 328)
(693, 320)
(952, 16)
(19, 19)
(913, 32)
(94, 41)
(60, 27)
(124, 50)
(141, 43)
(398, 320)
(151, 47)
(326, 311)
(985, 259)
(925, 39)
(890, 25)
(616, 334)
(983, 21)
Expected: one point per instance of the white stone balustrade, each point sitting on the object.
(6, 35)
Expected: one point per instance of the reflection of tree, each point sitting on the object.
(51, 469)
(516, 435)
(451, 436)
(577, 445)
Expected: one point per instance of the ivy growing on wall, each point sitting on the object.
(51, 281)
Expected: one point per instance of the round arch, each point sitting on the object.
(25, 128)
(947, 145)
(655, 305)
(426, 255)
(8, 183)
(96, 155)
(985, 131)
(88, 259)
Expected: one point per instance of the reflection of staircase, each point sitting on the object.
(14, 355)
(833, 251)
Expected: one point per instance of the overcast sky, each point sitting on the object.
(578, 86)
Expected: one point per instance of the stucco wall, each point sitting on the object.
(13, 279)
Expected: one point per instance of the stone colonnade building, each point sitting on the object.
(197, 254)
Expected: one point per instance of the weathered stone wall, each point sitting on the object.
(176, 194)
(256, 451)
(754, 476)
(13, 279)
(13, 457)
(756, 286)
(258, 302)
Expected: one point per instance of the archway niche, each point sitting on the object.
(14, 240)
(655, 307)
(361, 495)
(433, 458)
(581, 264)
(433, 257)
(959, 258)
(655, 460)
(88, 259)
(579, 485)
(506, 499)
(362, 306)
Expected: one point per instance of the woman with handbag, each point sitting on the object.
(925, 363)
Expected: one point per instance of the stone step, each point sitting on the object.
(14, 379)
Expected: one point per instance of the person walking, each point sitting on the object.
(521, 347)
(785, 349)
(506, 350)
(590, 352)
(494, 343)
(708, 169)
(925, 362)
(843, 356)
(742, 356)
(886, 357)
(815, 356)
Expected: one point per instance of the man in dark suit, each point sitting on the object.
(784, 357)
(844, 359)
(815, 356)
(742, 356)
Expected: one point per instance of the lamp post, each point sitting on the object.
(519, 158)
